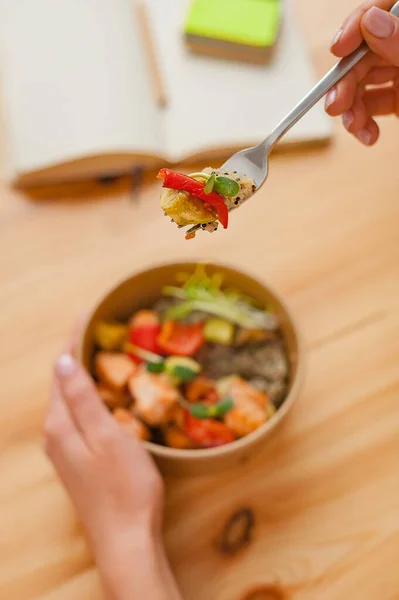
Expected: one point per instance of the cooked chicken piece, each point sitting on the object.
(155, 397)
(111, 398)
(177, 416)
(251, 408)
(114, 370)
(131, 425)
(176, 438)
(185, 209)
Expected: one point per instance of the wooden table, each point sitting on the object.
(325, 492)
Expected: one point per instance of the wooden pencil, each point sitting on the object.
(149, 43)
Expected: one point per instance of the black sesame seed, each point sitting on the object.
(226, 173)
(215, 229)
(236, 202)
(238, 179)
(253, 188)
(235, 172)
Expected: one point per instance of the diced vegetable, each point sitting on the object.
(144, 355)
(216, 411)
(176, 438)
(156, 367)
(202, 390)
(113, 369)
(207, 433)
(182, 367)
(110, 336)
(180, 182)
(144, 330)
(179, 339)
(219, 331)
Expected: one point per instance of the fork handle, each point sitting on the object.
(320, 89)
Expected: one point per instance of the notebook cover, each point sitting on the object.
(250, 22)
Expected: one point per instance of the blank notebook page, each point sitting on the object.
(216, 103)
(74, 82)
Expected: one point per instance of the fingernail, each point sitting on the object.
(331, 97)
(337, 37)
(364, 136)
(379, 23)
(347, 118)
(65, 365)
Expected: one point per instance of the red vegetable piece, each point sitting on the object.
(184, 183)
(144, 331)
(207, 433)
(180, 339)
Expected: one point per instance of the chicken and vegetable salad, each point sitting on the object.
(201, 367)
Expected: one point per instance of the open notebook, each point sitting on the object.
(78, 98)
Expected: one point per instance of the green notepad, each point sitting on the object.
(253, 23)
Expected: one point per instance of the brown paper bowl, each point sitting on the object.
(140, 291)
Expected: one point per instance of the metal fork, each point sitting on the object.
(253, 162)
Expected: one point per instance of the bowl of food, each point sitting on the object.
(201, 362)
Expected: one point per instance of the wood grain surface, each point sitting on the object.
(324, 494)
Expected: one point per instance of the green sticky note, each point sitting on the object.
(250, 22)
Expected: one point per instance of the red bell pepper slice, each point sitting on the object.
(207, 433)
(180, 339)
(144, 331)
(184, 183)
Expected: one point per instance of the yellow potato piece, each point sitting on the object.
(185, 209)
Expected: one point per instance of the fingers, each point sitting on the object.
(62, 438)
(341, 97)
(363, 126)
(380, 30)
(369, 134)
(349, 36)
(87, 411)
(382, 101)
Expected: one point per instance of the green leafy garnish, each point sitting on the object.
(210, 184)
(226, 187)
(199, 411)
(183, 373)
(155, 367)
(217, 411)
(201, 292)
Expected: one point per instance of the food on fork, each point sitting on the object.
(203, 199)
(201, 367)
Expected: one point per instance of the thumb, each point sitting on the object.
(380, 30)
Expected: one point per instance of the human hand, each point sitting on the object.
(113, 483)
(371, 88)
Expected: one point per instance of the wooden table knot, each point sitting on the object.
(237, 531)
(267, 592)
